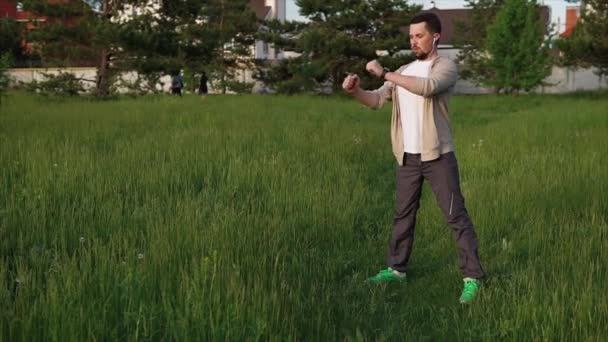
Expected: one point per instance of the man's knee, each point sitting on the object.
(460, 220)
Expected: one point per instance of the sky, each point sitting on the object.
(558, 8)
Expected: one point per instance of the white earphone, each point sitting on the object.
(434, 47)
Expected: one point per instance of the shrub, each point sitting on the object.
(5, 62)
(61, 84)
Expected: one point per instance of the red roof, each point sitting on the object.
(572, 15)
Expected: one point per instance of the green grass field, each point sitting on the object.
(259, 218)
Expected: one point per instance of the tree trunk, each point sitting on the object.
(223, 71)
(102, 82)
(103, 86)
(336, 82)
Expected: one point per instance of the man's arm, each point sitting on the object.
(441, 78)
(373, 99)
(407, 82)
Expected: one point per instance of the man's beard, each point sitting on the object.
(421, 56)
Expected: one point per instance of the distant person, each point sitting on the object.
(202, 87)
(422, 144)
(177, 83)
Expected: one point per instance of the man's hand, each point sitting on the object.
(351, 83)
(375, 68)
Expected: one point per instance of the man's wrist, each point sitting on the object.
(384, 72)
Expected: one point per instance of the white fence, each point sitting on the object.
(562, 80)
(27, 75)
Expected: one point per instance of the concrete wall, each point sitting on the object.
(563, 80)
(567, 80)
(19, 76)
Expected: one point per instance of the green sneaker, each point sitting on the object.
(387, 276)
(471, 286)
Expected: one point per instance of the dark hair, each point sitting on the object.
(431, 19)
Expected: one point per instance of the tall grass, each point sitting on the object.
(259, 218)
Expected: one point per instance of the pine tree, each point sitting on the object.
(211, 35)
(63, 37)
(168, 36)
(11, 35)
(235, 25)
(4, 80)
(341, 36)
(75, 33)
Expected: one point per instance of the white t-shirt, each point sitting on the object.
(411, 108)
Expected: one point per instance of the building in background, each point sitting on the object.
(8, 9)
(14, 10)
(575, 78)
(267, 10)
(573, 14)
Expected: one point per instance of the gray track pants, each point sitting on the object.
(442, 174)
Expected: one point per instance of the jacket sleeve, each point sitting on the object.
(382, 94)
(442, 77)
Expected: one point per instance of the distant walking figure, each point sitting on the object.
(202, 87)
(177, 83)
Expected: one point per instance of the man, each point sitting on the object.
(202, 86)
(177, 83)
(422, 144)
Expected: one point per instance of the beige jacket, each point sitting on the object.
(436, 90)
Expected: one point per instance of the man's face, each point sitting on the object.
(421, 40)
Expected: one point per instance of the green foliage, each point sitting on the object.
(62, 84)
(340, 37)
(11, 36)
(65, 37)
(517, 52)
(508, 51)
(5, 63)
(193, 35)
(76, 33)
(471, 37)
(588, 44)
(236, 25)
(292, 76)
(240, 87)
